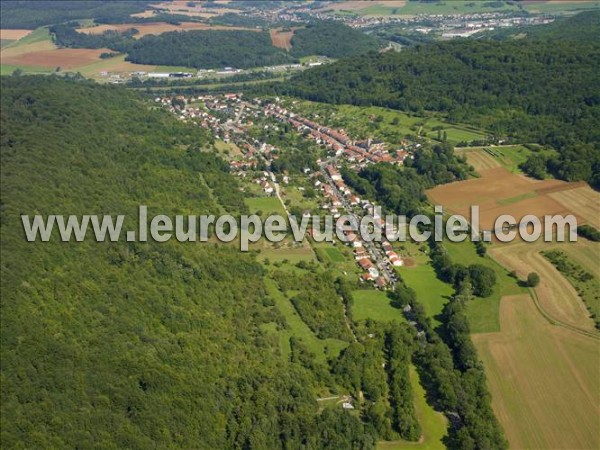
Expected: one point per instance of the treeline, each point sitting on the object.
(533, 90)
(135, 344)
(452, 375)
(585, 283)
(65, 35)
(378, 368)
(476, 277)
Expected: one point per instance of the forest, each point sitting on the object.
(332, 39)
(537, 89)
(208, 49)
(35, 13)
(136, 345)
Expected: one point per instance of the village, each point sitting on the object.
(229, 117)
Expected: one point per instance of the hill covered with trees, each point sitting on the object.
(136, 344)
(208, 49)
(333, 39)
(542, 89)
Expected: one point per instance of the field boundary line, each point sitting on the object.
(559, 323)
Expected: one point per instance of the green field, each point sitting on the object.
(458, 134)
(373, 304)
(8, 69)
(483, 313)
(322, 348)
(266, 205)
(433, 423)
(334, 254)
(431, 292)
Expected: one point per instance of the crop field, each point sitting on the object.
(508, 156)
(65, 58)
(517, 195)
(157, 28)
(556, 296)
(13, 35)
(373, 304)
(543, 379)
(196, 10)
(282, 39)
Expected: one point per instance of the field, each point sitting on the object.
(543, 378)
(556, 296)
(157, 28)
(265, 205)
(372, 304)
(197, 10)
(13, 35)
(508, 156)
(35, 53)
(499, 192)
(282, 39)
(431, 292)
(433, 423)
(65, 58)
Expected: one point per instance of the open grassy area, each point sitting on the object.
(483, 312)
(431, 292)
(322, 348)
(265, 205)
(433, 423)
(373, 304)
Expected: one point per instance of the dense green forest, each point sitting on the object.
(533, 90)
(35, 13)
(136, 345)
(208, 49)
(333, 39)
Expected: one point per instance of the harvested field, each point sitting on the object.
(582, 199)
(181, 7)
(13, 35)
(157, 28)
(65, 58)
(282, 39)
(543, 379)
(478, 159)
(556, 296)
(499, 191)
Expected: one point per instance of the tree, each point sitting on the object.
(533, 279)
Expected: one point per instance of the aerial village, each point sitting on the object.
(229, 117)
